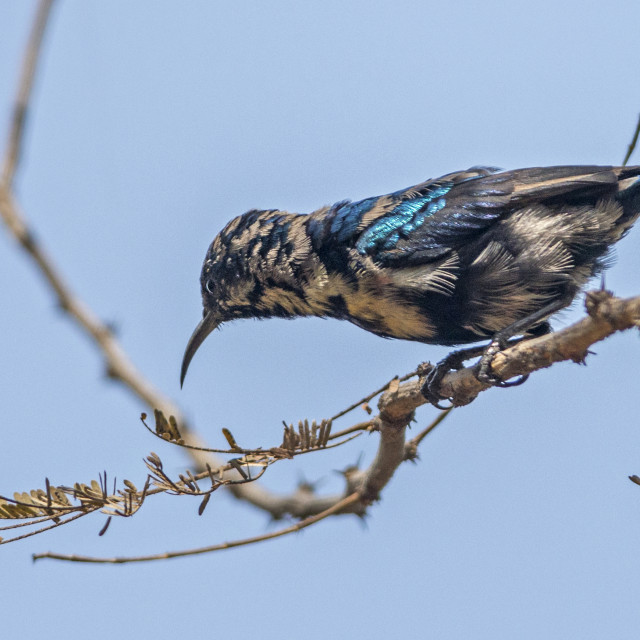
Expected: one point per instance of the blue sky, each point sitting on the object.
(152, 126)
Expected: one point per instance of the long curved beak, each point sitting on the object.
(208, 323)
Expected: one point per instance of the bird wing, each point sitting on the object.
(430, 220)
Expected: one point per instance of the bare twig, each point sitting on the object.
(368, 425)
(411, 448)
(336, 508)
(372, 395)
(21, 105)
(632, 144)
(43, 529)
(396, 406)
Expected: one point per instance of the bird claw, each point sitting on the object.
(435, 374)
(431, 387)
(484, 372)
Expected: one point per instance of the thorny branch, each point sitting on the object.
(60, 505)
(396, 405)
(398, 400)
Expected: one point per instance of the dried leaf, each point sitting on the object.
(230, 439)
(105, 527)
(204, 503)
(235, 463)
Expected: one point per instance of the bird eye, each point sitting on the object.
(209, 286)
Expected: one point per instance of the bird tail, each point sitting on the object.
(628, 195)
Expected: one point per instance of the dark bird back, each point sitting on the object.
(450, 261)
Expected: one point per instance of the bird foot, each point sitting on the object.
(431, 386)
(434, 374)
(483, 369)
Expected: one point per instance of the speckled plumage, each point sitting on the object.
(449, 261)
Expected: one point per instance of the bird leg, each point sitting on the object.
(532, 325)
(454, 362)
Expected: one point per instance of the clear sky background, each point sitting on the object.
(155, 123)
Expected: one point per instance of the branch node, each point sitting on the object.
(595, 303)
(411, 451)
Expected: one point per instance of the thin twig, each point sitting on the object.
(21, 105)
(43, 529)
(372, 395)
(425, 432)
(345, 503)
(262, 450)
(361, 426)
(30, 523)
(632, 144)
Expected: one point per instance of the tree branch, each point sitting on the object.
(298, 526)
(118, 366)
(606, 315)
(21, 105)
(396, 405)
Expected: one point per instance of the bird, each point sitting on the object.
(475, 255)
